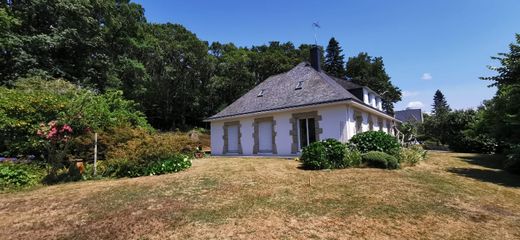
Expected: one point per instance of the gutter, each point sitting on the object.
(325, 103)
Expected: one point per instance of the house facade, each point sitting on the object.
(289, 111)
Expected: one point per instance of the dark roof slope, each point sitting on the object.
(279, 92)
(409, 115)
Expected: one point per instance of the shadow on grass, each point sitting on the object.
(484, 160)
(499, 177)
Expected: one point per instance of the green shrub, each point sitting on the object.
(152, 146)
(392, 162)
(34, 101)
(136, 168)
(380, 160)
(335, 153)
(352, 157)
(473, 144)
(375, 141)
(327, 154)
(173, 163)
(411, 155)
(512, 161)
(314, 156)
(18, 175)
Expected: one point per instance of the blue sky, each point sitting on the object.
(426, 45)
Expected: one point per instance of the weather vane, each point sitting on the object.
(316, 25)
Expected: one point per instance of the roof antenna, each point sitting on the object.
(316, 25)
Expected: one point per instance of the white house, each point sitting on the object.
(288, 111)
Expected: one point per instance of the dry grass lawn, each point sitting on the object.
(448, 196)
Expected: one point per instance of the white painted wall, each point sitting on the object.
(247, 139)
(379, 104)
(351, 123)
(385, 129)
(365, 121)
(331, 120)
(337, 122)
(283, 139)
(375, 120)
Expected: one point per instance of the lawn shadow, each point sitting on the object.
(499, 177)
(484, 160)
(492, 171)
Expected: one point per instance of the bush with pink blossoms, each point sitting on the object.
(56, 138)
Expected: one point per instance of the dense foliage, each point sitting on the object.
(370, 71)
(512, 162)
(152, 146)
(18, 175)
(176, 78)
(335, 60)
(375, 141)
(329, 154)
(411, 155)
(378, 159)
(34, 101)
(326, 154)
(503, 111)
(141, 153)
(493, 127)
(145, 167)
(461, 130)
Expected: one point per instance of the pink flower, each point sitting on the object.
(66, 128)
(52, 133)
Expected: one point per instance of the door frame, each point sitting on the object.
(225, 137)
(294, 132)
(256, 135)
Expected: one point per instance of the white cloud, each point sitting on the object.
(409, 93)
(415, 105)
(426, 76)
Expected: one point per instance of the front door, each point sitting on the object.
(265, 137)
(306, 132)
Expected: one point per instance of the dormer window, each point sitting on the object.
(299, 85)
(261, 93)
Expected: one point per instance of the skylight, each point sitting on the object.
(261, 93)
(299, 86)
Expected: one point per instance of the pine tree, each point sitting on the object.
(440, 105)
(334, 60)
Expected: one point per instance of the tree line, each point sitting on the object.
(176, 78)
(493, 127)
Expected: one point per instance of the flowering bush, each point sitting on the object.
(33, 101)
(55, 137)
(54, 132)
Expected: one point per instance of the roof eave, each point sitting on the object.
(346, 100)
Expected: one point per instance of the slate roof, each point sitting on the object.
(279, 92)
(409, 115)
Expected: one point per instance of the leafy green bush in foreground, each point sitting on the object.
(145, 167)
(380, 160)
(375, 141)
(19, 175)
(411, 155)
(512, 162)
(329, 154)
